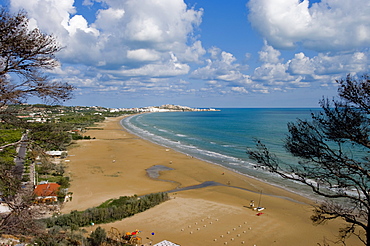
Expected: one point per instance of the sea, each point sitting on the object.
(222, 137)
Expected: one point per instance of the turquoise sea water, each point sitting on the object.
(222, 137)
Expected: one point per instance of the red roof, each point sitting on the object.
(49, 189)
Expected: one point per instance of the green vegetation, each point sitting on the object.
(57, 236)
(25, 54)
(48, 128)
(79, 137)
(97, 237)
(7, 156)
(110, 211)
(9, 136)
(50, 136)
(81, 120)
(60, 237)
(55, 127)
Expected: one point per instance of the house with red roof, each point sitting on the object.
(46, 193)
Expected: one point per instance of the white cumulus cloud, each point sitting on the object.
(143, 55)
(126, 33)
(327, 25)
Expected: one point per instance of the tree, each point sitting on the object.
(25, 54)
(333, 149)
(97, 237)
(21, 219)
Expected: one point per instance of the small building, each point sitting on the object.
(55, 153)
(47, 193)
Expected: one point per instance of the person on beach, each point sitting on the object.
(251, 204)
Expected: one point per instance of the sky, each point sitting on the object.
(203, 53)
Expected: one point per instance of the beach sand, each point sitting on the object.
(114, 164)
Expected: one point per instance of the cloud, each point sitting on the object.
(269, 55)
(127, 33)
(143, 55)
(326, 25)
(52, 16)
(327, 63)
(78, 23)
(220, 66)
(225, 75)
(301, 64)
(193, 53)
(239, 90)
(275, 74)
(170, 68)
(323, 68)
(141, 46)
(271, 75)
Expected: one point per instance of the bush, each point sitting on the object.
(97, 237)
(110, 211)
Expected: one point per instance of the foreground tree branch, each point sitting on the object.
(25, 55)
(333, 151)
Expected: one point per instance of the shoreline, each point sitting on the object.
(116, 162)
(247, 168)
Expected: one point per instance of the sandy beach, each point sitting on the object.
(114, 164)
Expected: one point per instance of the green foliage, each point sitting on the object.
(53, 173)
(63, 182)
(50, 136)
(53, 134)
(97, 237)
(6, 126)
(10, 136)
(7, 156)
(56, 236)
(25, 178)
(81, 120)
(122, 200)
(64, 155)
(80, 137)
(110, 211)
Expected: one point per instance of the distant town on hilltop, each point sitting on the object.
(169, 108)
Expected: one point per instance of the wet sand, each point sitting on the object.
(115, 163)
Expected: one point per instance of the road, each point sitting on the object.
(19, 160)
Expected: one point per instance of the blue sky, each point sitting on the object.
(202, 53)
